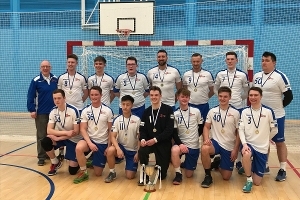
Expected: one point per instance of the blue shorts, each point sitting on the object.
(279, 137)
(191, 159)
(129, 156)
(204, 108)
(99, 159)
(258, 162)
(225, 163)
(136, 111)
(70, 149)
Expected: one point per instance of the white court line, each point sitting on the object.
(17, 138)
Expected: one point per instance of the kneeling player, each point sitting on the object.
(257, 126)
(187, 128)
(66, 119)
(124, 137)
(222, 121)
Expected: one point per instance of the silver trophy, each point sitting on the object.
(153, 172)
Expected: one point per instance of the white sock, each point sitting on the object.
(250, 179)
(112, 170)
(83, 168)
(141, 176)
(61, 151)
(283, 165)
(177, 169)
(267, 164)
(54, 161)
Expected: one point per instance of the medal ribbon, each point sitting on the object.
(223, 124)
(194, 79)
(132, 87)
(126, 128)
(187, 125)
(230, 86)
(256, 126)
(155, 119)
(72, 81)
(96, 122)
(263, 83)
(62, 124)
(100, 80)
(162, 80)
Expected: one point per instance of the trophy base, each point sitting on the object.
(149, 188)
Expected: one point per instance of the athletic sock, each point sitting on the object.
(61, 151)
(267, 164)
(207, 172)
(177, 169)
(249, 178)
(54, 161)
(112, 170)
(283, 165)
(83, 168)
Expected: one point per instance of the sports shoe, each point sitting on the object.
(207, 181)
(82, 176)
(178, 179)
(41, 163)
(267, 170)
(241, 171)
(60, 157)
(119, 160)
(215, 163)
(247, 187)
(54, 167)
(238, 165)
(281, 175)
(111, 177)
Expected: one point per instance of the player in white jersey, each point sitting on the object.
(124, 139)
(201, 84)
(102, 79)
(274, 85)
(132, 83)
(222, 121)
(166, 78)
(257, 126)
(188, 126)
(95, 127)
(238, 82)
(62, 130)
(73, 83)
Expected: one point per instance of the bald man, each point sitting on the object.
(39, 104)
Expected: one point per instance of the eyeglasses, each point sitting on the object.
(131, 64)
(45, 66)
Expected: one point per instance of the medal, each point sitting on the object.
(132, 87)
(195, 84)
(195, 89)
(187, 132)
(96, 128)
(162, 85)
(162, 79)
(96, 80)
(154, 130)
(133, 92)
(154, 120)
(70, 92)
(230, 85)
(222, 131)
(62, 124)
(256, 125)
(187, 125)
(71, 86)
(126, 127)
(223, 122)
(96, 122)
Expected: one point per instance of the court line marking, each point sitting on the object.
(52, 186)
(17, 149)
(293, 168)
(147, 196)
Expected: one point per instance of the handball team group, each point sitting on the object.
(233, 136)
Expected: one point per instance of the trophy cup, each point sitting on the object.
(152, 171)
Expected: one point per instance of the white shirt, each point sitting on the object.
(73, 86)
(166, 80)
(106, 82)
(65, 120)
(273, 86)
(127, 130)
(97, 119)
(237, 81)
(189, 118)
(134, 86)
(250, 124)
(199, 81)
(216, 117)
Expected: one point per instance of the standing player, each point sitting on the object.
(156, 133)
(133, 83)
(63, 130)
(237, 81)
(95, 127)
(187, 128)
(74, 85)
(124, 139)
(257, 126)
(200, 83)
(222, 121)
(39, 104)
(102, 79)
(166, 77)
(274, 85)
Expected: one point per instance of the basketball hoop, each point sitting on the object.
(124, 34)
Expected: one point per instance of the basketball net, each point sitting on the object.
(123, 34)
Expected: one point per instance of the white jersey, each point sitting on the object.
(237, 81)
(273, 86)
(255, 127)
(73, 86)
(106, 82)
(224, 134)
(127, 130)
(187, 124)
(166, 80)
(134, 86)
(65, 120)
(198, 83)
(97, 119)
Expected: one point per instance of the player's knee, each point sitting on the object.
(175, 150)
(246, 154)
(73, 170)
(205, 149)
(111, 150)
(46, 143)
